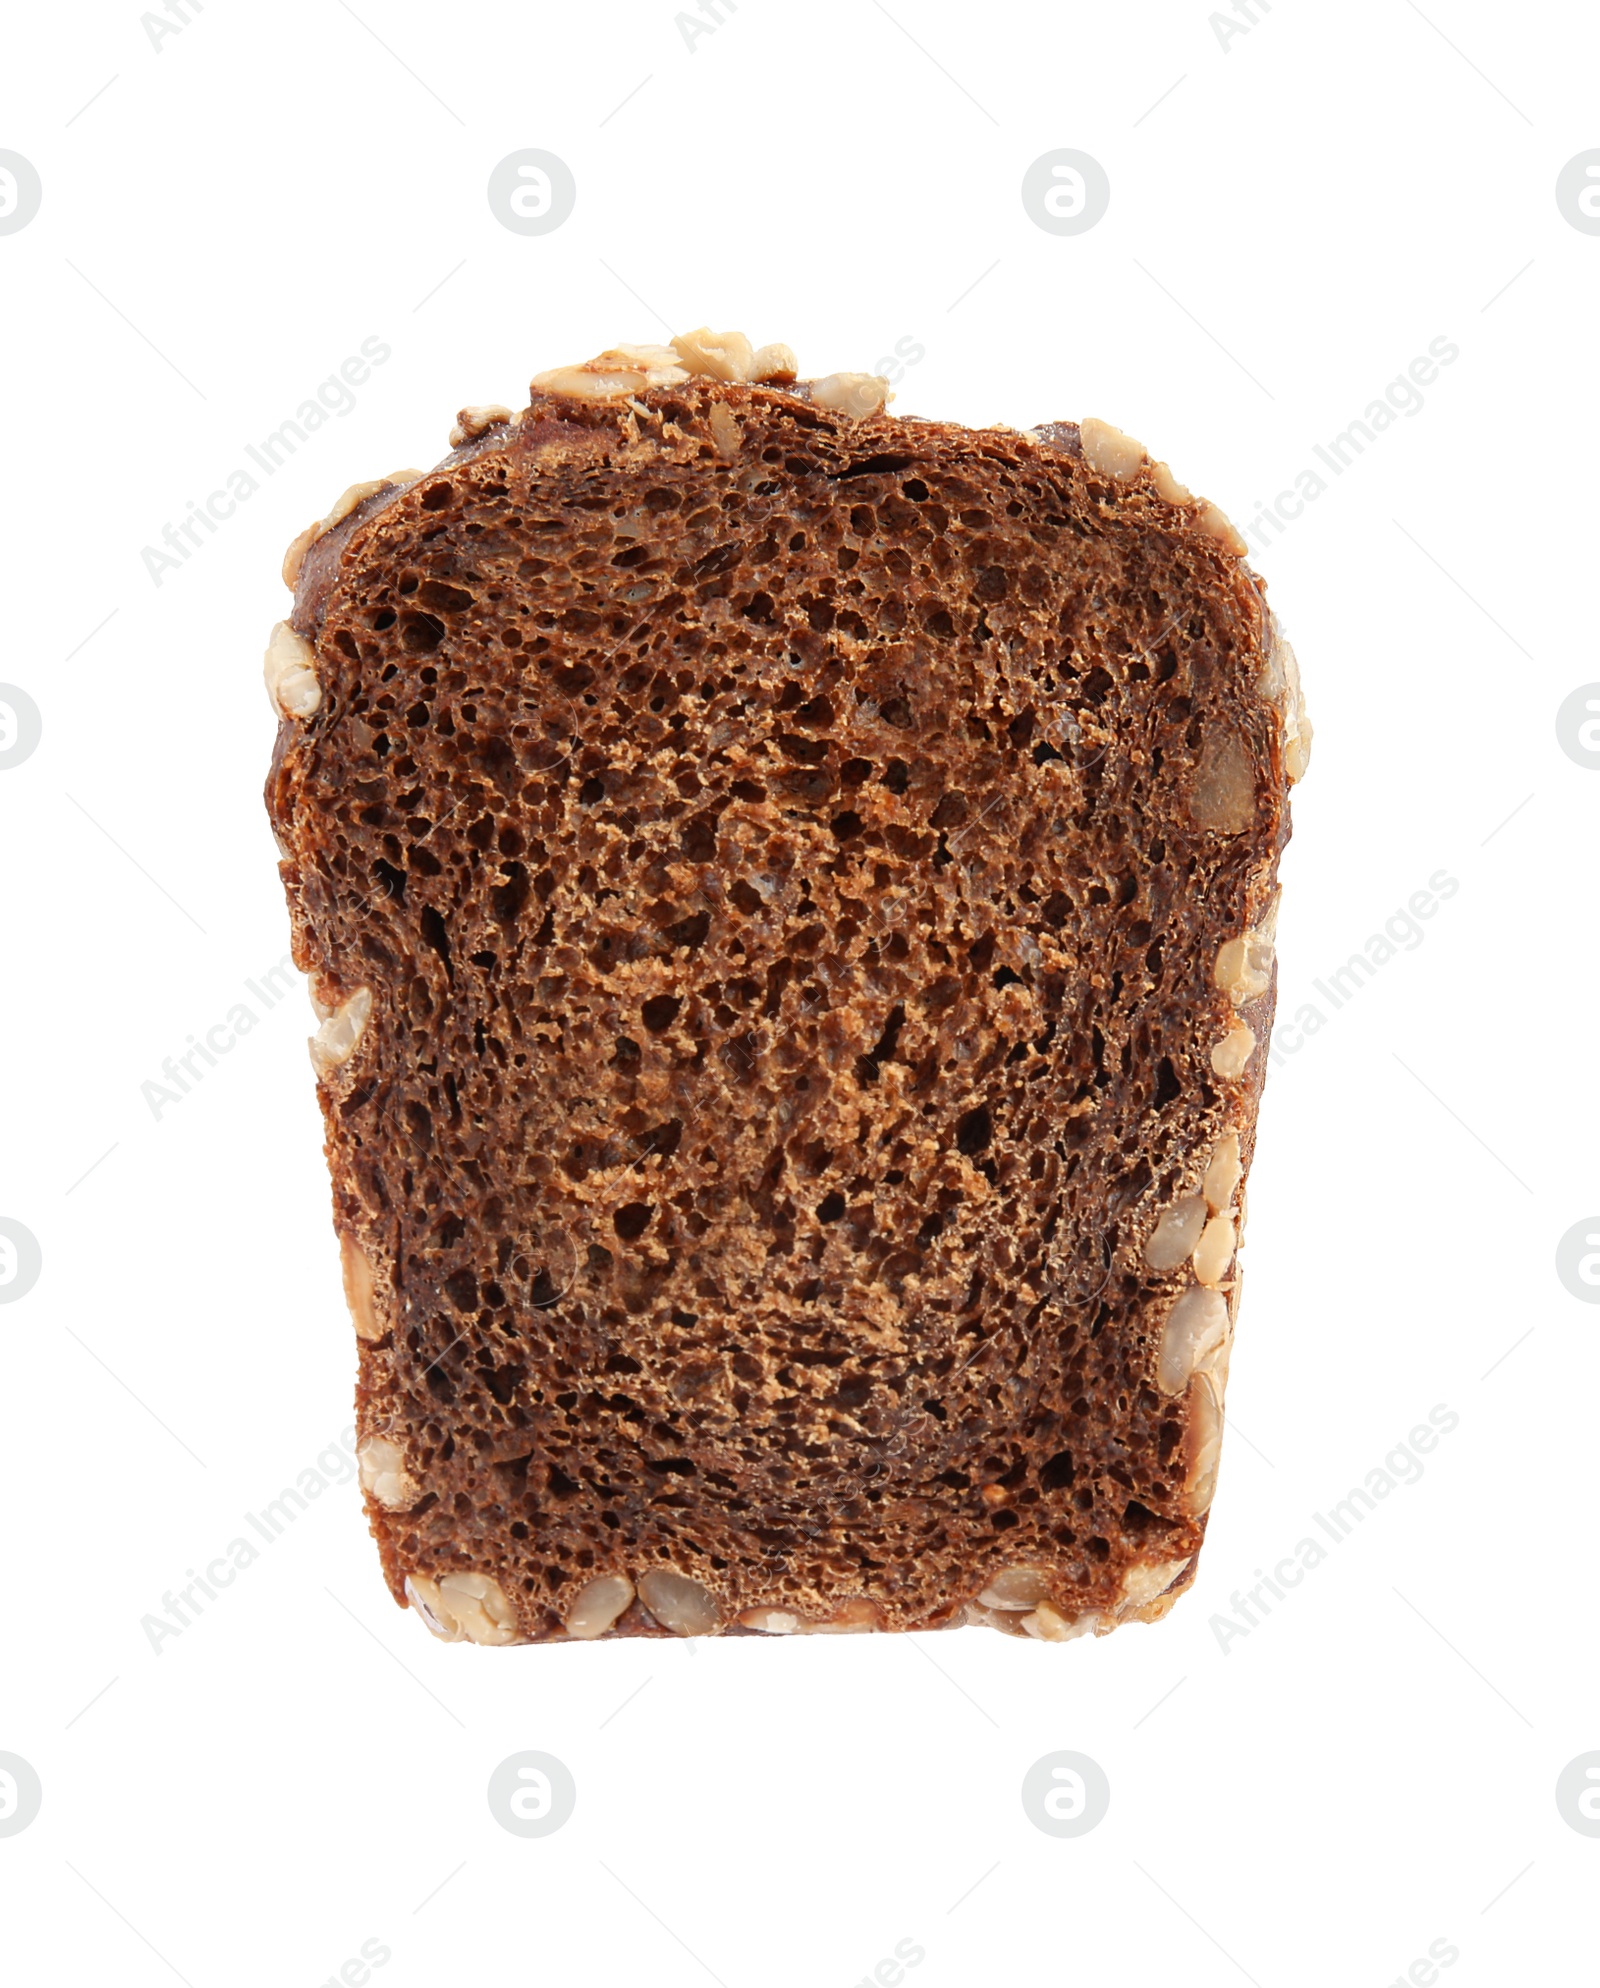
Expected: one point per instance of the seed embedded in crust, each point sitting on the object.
(1214, 1251)
(1196, 1324)
(1108, 450)
(360, 1289)
(358, 493)
(1297, 751)
(464, 1606)
(1280, 682)
(772, 1621)
(1048, 1625)
(1205, 1426)
(382, 1465)
(480, 1607)
(1233, 1052)
(678, 1603)
(1016, 1587)
(1223, 1173)
(337, 1039)
(348, 499)
(1141, 1585)
(1173, 1238)
(726, 433)
(775, 363)
(1296, 725)
(1168, 486)
(850, 1618)
(597, 1605)
(1151, 1592)
(1215, 1359)
(854, 394)
(1244, 965)
(1223, 798)
(973, 1615)
(612, 374)
(1216, 523)
(289, 669)
(471, 422)
(1244, 969)
(423, 1596)
(295, 557)
(715, 355)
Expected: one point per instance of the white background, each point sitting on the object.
(1369, 1770)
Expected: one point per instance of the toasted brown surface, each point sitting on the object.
(789, 857)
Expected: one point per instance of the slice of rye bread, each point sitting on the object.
(789, 891)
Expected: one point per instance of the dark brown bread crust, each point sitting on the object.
(772, 852)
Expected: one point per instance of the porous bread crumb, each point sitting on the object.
(724, 1009)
